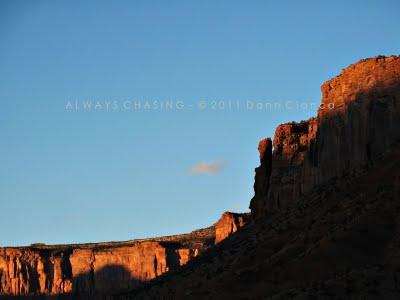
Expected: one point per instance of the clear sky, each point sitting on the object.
(71, 175)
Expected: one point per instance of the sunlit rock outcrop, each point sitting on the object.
(358, 120)
(228, 224)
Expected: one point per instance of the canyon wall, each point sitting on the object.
(92, 269)
(105, 268)
(28, 271)
(359, 118)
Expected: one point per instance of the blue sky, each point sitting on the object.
(84, 176)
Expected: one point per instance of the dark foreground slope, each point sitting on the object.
(340, 241)
(326, 209)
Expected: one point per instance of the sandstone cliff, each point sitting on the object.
(359, 118)
(96, 268)
(105, 268)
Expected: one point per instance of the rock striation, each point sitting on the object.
(358, 119)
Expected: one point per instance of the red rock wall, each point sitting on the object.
(30, 271)
(366, 118)
(359, 118)
(289, 178)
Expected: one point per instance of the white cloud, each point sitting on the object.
(207, 167)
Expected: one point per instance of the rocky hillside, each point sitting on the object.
(340, 241)
(326, 210)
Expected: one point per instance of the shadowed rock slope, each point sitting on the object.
(326, 210)
(339, 241)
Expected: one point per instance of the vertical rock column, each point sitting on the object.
(261, 179)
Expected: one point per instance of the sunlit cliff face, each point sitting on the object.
(364, 121)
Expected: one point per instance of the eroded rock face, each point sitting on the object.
(119, 268)
(96, 269)
(228, 224)
(358, 120)
(289, 179)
